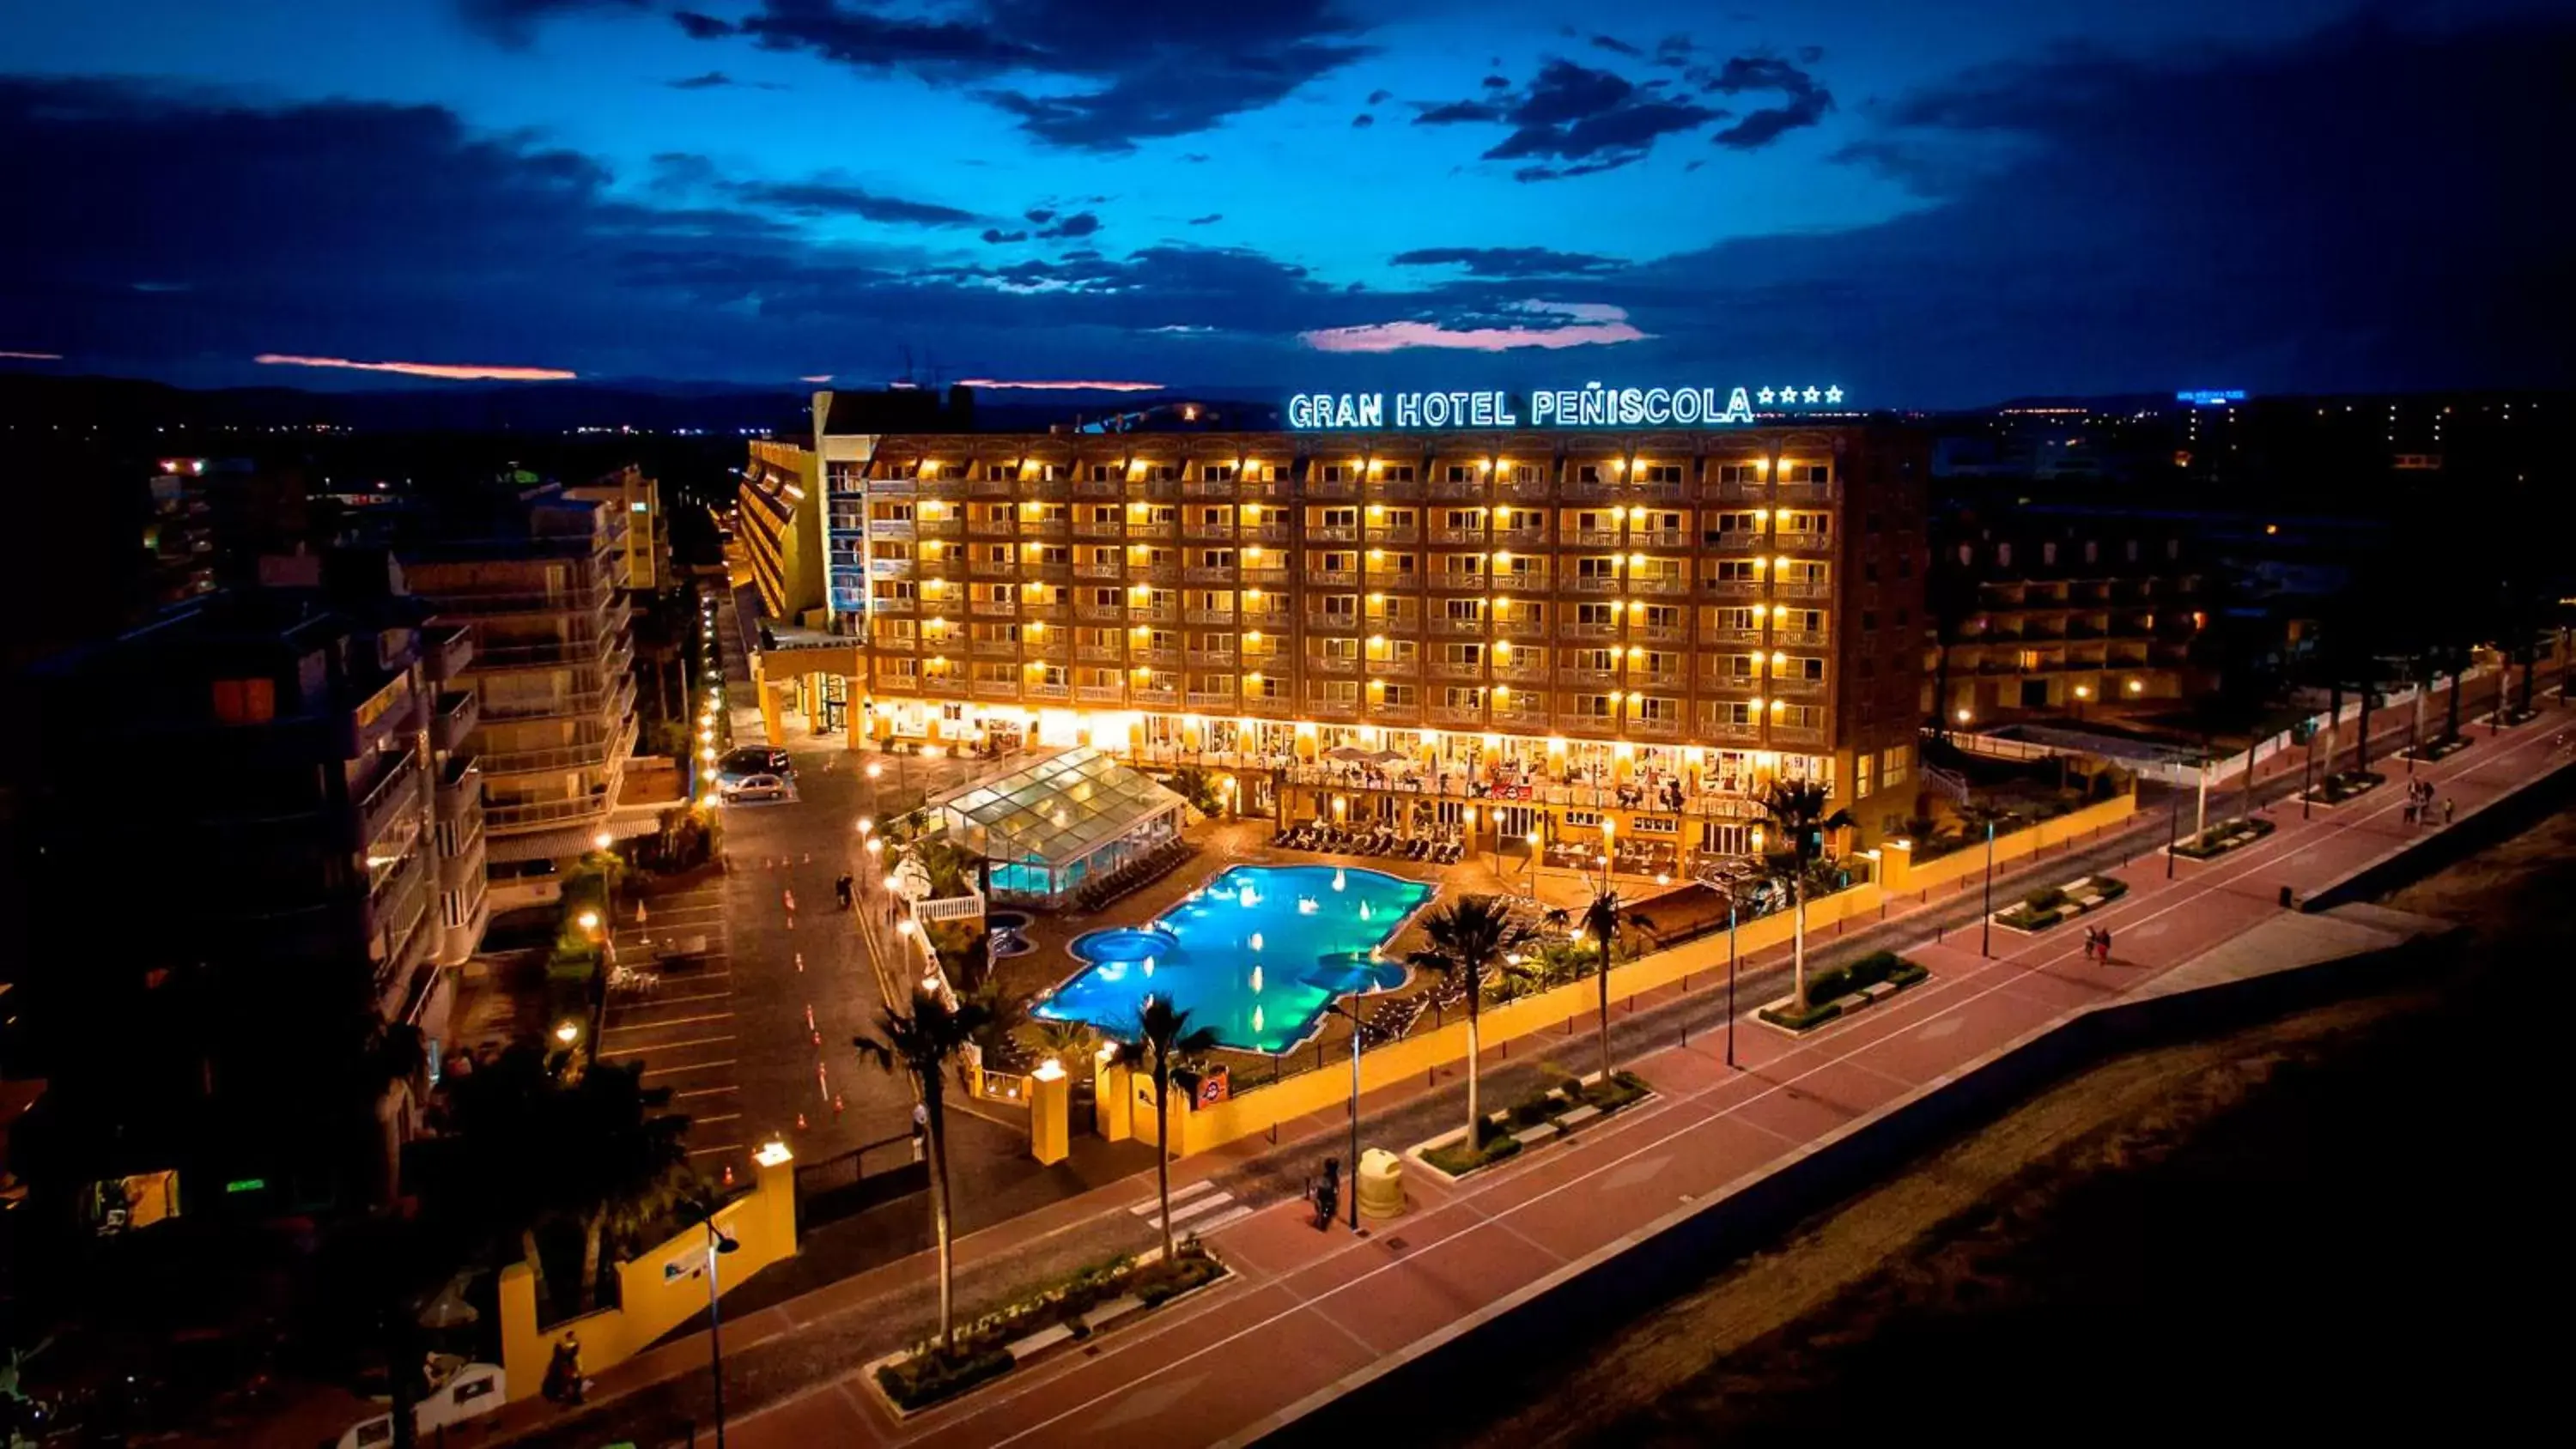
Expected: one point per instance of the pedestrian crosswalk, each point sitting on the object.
(1201, 1208)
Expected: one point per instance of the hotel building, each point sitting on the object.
(1690, 611)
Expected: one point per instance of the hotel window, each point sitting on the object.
(1381, 562)
(1261, 472)
(1460, 473)
(1160, 598)
(1216, 558)
(1743, 619)
(1001, 553)
(2048, 553)
(999, 472)
(1655, 709)
(1738, 571)
(1521, 566)
(1893, 766)
(1219, 517)
(1467, 656)
(1663, 616)
(1396, 473)
(1523, 472)
(1334, 560)
(1048, 553)
(1803, 472)
(1659, 472)
(1337, 518)
(1733, 524)
(1801, 571)
(1654, 661)
(1592, 707)
(1102, 472)
(1587, 473)
(1800, 667)
(1798, 716)
(1267, 687)
(1333, 473)
(1343, 692)
(1596, 616)
(1402, 696)
(897, 633)
(1735, 666)
(1739, 473)
(1519, 520)
(1860, 774)
(1599, 661)
(841, 477)
(1470, 611)
(1164, 472)
(1463, 696)
(1217, 472)
(891, 591)
(1462, 519)
(892, 552)
(1737, 713)
(900, 512)
(1802, 521)
(1458, 565)
(1663, 570)
(1406, 652)
(899, 668)
(1050, 472)
(1341, 647)
(1810, 621)
(1345, 607)
(1597, 566)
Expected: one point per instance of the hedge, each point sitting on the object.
(1621, 1089)
(1868, 971)
(925, 1379)
(1458, 1159)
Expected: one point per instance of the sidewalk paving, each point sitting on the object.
(1324, 1306)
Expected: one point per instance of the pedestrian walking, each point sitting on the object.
(2106, 945)
(841, 888)
(2448, 805)
(2411, 806)
(790, 898)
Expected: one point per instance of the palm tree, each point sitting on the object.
(503, 1112)
(1602, 921)
(1469, 938)
(1163, 1037)
(1795, 810)
(628, 1166)
(1066, 1041)
(925, 1044)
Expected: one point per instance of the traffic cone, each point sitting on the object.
(800, 1121)
(836, 1104)
(800, 963)
(728, 1177)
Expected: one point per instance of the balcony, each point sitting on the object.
(1655, 679)
(1717, 732)
(1097, 487)
(1734, 540)
(1519, 581)
(894, 528)
(1262, 532)
(1572, 629)
(1100, 693)
(1515, 667)
(1472, 537)
(1043, 528)
(561, 759)
(1806, 542)
(997, 689)
(451, 650)
(1407, 533)
(1331, 664)
(377, 803)
(1208, 532)
(1208, 574)
(1155, 655)
(1333, 533)
(1273, 706)
(1212, 659)
(1593, 584)
(1002, 608)
(1207, 488)
(890, 604)
(1101, 613)
(1100, 571)
(1520, 537)
(1265, 573)
(1459, 579)
(1153, 613)
(1222, 617)
(896, 684)
(1092, 528)
(457, 712)
(1444, 624)
(1456, 714)
(1099, 653)
(1665, 585)
(1333, 708)
(1332, 488)
(1457, 488)
(1212, 699)
(989, 487)
(984, 568)
(1658, 538)
(1797, 735)
(994, 648)
(1039, 689)
(1153, 531)
(1655, 728)
(1801, 638)
(1593, 537)
(1586, 677)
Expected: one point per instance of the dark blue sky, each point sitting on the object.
(1926, 203)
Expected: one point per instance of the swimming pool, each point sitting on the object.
(1256, 953)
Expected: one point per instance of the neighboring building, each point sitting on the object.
(245, 833)
(540, 577)
(212, 519)
(779, 519)
(1708, 609)
(2045, 610)
(637, 529)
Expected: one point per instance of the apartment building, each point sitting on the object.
(636, 527)
(2054, 610)
(540, 578)
(253, 850)
(1577, 614)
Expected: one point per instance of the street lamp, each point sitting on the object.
(1730, 976)
(1986, 926)
(1531, 840)
(717, 1244)
(602, 840)
(1353, 1186)
(568, 1032)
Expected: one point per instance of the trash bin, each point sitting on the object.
(1381, 1183)
(2285, 898)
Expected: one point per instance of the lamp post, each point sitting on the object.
(1730, 978)
(717, 1245)
(1532, 841)
(2307, 772)
(1353, 1186)
(1986, 924)
(2173, 822)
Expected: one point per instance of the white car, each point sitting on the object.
(754, 787)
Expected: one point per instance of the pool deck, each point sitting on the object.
(1312, 1314)
(1247, 842)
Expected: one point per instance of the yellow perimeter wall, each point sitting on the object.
(1262, 1108)
(658, 1289)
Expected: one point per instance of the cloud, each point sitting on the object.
(1211, 219)
(717, 80)
(823, 196)
(1108, 78)
(1599, 326)
(514, 22)
(815, 377)
(1195, 158)
(1615, 45)
(1452, 113)
(32, 356)
(461, 371)
(1052, 386)
(1806, 104)
(1379, 98)
(1363, 121)
(1080, 224)
(1508, 261)
(1577, 120)
(1496, 83)
(995, 236)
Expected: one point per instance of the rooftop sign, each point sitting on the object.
(1588, 406)
(2201, 397)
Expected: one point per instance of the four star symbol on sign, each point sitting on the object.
(1788, 394)
(1833, 394)
(1763, 396)
(1813, 395)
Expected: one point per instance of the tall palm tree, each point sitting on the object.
(926, 1044)
(503, 1113)
(1795, 810)
(1603, 920)
(1068, 1042)
(1468, 939)
(628, 1166)
(1163, 1036)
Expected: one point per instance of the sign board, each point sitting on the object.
(2201, 397)
(1588, 406)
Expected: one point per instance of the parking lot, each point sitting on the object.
(685, 1027)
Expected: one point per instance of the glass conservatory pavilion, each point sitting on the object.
(1050, 826)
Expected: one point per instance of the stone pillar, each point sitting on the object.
(1050, 1105)
(1109, 1091)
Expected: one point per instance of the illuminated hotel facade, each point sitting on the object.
(1699, 608)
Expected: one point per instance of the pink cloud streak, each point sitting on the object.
(1602, 325)
(34, 356)
(1067, 386)
(456, 370)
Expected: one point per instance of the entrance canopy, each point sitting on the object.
(1051, 825)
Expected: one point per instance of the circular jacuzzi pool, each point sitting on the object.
(1124, 943)
(1006, 920)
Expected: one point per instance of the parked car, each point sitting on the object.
(753, 787)
(748, 760)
